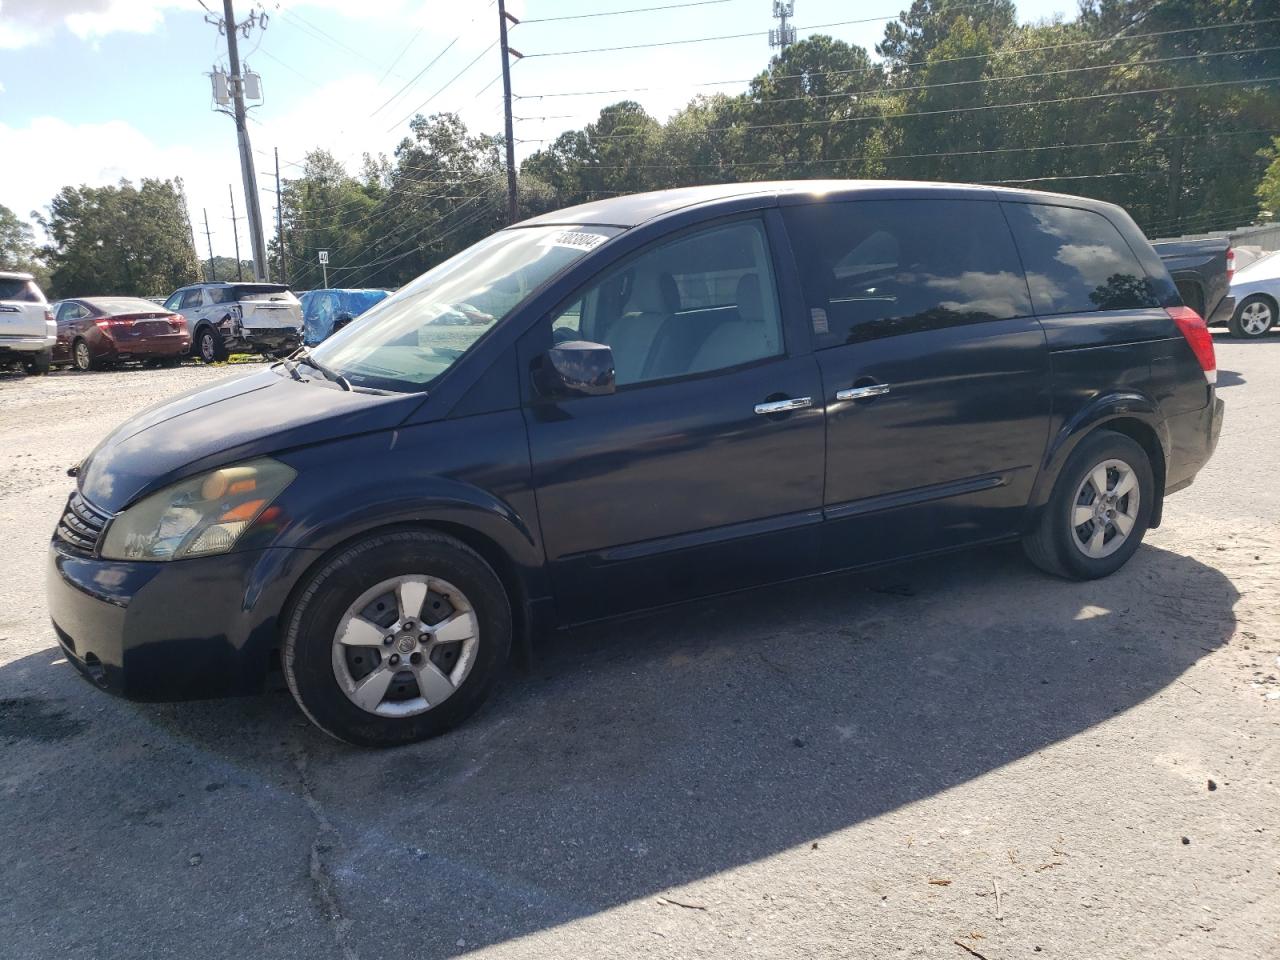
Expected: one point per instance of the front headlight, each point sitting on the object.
(198, 517)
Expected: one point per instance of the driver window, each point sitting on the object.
(703, 301)
(173, 302)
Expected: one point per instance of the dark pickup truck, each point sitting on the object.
(1202, 271)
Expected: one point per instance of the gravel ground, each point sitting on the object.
(952, 758)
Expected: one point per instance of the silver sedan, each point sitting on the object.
(1256, 289)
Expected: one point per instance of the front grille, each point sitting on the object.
(81, 525)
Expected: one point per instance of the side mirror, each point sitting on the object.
(575, 369)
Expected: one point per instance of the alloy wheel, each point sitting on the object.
(1105, 509)
(1255, 318)
(82, 356)
(208, 348)
(405, 645)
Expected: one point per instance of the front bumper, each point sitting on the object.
(182, 630)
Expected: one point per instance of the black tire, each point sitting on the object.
(207, 345)
(1260, 304)
(81, 357)
(313, 618)
(1050, 544)
(40, 364)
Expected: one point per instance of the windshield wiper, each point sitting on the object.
(303, 355)
(292, 368)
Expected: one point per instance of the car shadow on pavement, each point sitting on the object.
(637, 756)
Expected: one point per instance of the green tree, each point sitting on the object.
(18, 247)
(1268, 190)
(328, 209)
(119, 240)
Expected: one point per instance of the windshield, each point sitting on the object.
(413, 337)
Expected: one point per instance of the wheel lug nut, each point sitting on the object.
(424, 637)
(415, 658)
(387, 641)
(395, 659)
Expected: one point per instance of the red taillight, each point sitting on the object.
(177, 322)
(1231, 263)
(103, 323)
(48, 317)
(1193, 327)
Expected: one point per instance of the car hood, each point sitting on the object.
(258, 415)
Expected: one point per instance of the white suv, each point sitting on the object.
(27, 328)
(239, 317)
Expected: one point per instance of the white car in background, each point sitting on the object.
(229, 317)
(1257, 292)
(27, 328)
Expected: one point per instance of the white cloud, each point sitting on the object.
(27, 22)
(46, 155)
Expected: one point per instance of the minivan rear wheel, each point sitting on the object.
(1098, 512)
(397, 638)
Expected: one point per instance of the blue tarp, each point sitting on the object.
(319, 307)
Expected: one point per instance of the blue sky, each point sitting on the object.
(95, 90)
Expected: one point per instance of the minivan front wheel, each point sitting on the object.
(397, 638)
(1098, 512)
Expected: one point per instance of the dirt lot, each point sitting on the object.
(953, 758)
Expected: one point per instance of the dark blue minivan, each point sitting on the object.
(631, 403)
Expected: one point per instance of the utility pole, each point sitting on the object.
(208, 236)
(235, 232)
(284, 272)
(784, 33)
(507, 53)
(232, 87)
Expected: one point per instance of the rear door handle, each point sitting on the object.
(863, 393)
(782, 406)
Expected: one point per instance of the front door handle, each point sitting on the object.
(783, 406)
(863, 393)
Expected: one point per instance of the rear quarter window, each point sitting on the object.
(1077, 261)
(22, 291)
(879, 268)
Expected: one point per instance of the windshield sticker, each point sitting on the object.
(576, 239)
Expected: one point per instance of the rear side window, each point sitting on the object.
(1077, 261)
(880, 268)
(23, 291)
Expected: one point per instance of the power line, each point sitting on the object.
(618, 13)
(731, 164)
(415, 110)
(418, 76)
(383, 261)
(678, 43)
(881, 92)
(737, 36)
(951, 110)
(878, 68)
(307, 26)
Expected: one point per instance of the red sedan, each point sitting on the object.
(103, 331)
